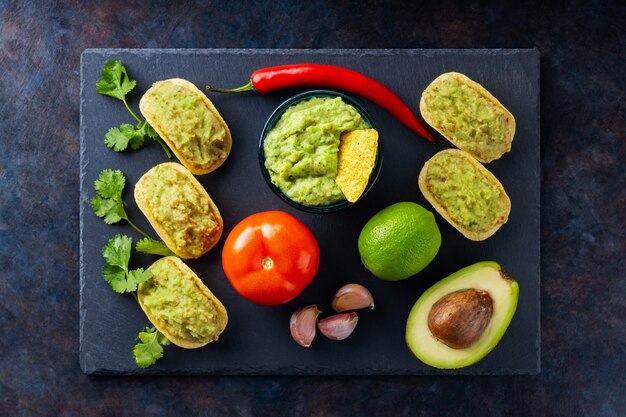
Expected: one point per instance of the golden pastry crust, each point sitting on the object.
(185, 272)
(484, 152)
(439, 204)
(185, 237)
(214, 154)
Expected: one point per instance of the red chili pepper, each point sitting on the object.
(266, 80)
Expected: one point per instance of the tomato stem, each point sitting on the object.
(268, 263)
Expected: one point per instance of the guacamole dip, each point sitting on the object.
(468, 196)
(301, 149)
(173, 299)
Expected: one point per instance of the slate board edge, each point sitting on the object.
(85, 366)
(536, 55)
(369, 372)
(88, 368)
(356, 51)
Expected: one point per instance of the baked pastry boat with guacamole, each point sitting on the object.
(466, 114)
(179, 209)
(189, 123)
(180, 306)
(465, 193)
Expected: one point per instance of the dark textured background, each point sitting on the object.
(583, 203)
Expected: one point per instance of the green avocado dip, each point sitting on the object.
(180, 208)
(188, 123)
(172, 298)
(475, 123)
(469, 197)
(301, 149)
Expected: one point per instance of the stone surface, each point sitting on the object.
(583, 203)
(256, 340)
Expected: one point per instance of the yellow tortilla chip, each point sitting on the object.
(357, 156)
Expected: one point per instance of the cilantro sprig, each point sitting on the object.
(108, 203)
(116, 83)
(116, 272)
(149, 347)
(116, 253)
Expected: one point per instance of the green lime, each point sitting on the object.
(399, 241)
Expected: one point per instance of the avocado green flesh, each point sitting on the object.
(484, 276)
(475, 123)
(301, 150)
(173, 299)
(469, 198)
(180, 209)
(184, 118)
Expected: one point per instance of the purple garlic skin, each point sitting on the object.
(338, 326)
(303, 323)
(352, 297)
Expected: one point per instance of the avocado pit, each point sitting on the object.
(459, 318)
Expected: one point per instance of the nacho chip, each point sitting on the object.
(357, 156)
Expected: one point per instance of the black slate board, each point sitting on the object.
(257, 339)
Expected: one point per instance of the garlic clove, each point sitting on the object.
(302, 325)
(352, 297)
(339, 326)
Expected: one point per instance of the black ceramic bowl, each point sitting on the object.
(273, 119)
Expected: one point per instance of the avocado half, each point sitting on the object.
(483, 277)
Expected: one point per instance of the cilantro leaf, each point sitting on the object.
(108, 203)
(137, 276)
(164, 341)
(107, 209)
(136, 140)
(118, 138)
(115, 81)
(149, 347)
(153, 247)
(116, 253)
(116, 277)
(148, 130)
(110, 183)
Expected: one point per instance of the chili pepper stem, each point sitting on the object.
(247, 87)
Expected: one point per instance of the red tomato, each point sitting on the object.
(270, 257)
